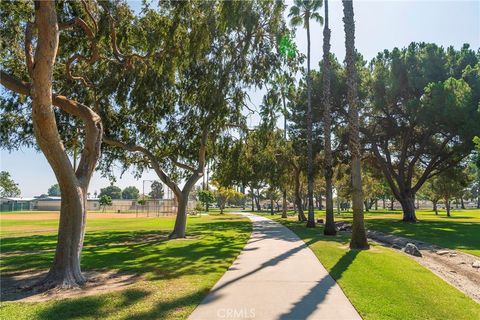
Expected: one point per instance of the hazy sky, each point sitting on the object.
(379, 25)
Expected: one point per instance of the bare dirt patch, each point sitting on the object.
(18, 287)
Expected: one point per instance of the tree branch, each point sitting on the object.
(153, 161)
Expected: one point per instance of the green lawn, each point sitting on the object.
(385, 284)
(178, 273)
(461, 231)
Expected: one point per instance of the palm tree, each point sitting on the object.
(301, 13)
(359, 237)
(329, 222)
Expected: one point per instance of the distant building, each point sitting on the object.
(16, 204)
(54, 204)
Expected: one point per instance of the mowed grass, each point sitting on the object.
(176, 274)
(461, 231)
(382, 283)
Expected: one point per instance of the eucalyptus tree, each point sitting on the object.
(169, 121)
(359, 237)
(423, 114)
(31, 61)
(301, 13)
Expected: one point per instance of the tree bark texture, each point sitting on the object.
(359, 237)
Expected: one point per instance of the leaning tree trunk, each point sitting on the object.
(179, 229)
(359, 236)
(65, 270)
(327, 118)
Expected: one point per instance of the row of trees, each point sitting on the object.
(163, 90)
(381, 129)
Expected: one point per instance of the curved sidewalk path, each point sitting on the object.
(276, 276)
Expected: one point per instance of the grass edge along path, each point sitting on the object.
(382, 283)
(178, 274)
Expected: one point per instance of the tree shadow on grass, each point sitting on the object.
(212, 248)
(449, 234)
(96, 307)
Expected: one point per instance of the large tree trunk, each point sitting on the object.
(392, 201)
(329, 229)
(478, 202)
(65, 271)
(311, 214)
(408, 208)
(271, 207)
(435, 207)
(462, 202)
(359, 237)
(447, 206)
(384, 204)
(179, 229)
(407, 201)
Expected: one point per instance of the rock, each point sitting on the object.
(320, 221)
(442, 252)
(476, 264)
(412, 249)
(453, 254)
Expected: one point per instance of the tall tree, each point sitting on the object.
(228, 47)
(112, 191)
(327, 122)
(359, 236)
(40, 56)
(422, 115)
(301, 13)
(8, 187)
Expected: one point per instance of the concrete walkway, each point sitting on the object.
(276, 276)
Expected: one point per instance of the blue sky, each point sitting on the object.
(379, 25)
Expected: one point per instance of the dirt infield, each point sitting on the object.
(90, 215)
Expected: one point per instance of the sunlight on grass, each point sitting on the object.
(385, 284)
(178, 273)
